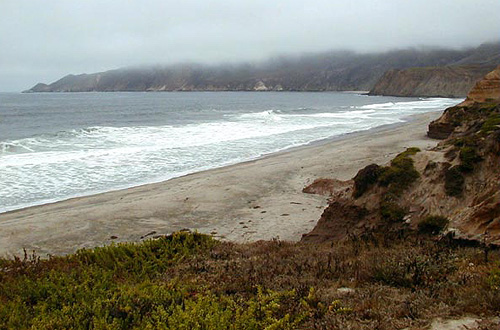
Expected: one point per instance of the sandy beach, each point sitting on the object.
(256, 200)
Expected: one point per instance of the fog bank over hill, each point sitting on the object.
(327, 71)
(45, 40)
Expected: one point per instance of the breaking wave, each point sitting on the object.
(75, 162)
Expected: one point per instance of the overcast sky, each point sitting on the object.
(43, 40)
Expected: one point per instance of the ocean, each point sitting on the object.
(54, 146)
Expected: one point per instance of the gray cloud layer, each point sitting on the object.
(43, 40)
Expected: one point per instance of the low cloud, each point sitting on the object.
(44, 40)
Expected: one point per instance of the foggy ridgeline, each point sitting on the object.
(434, 72)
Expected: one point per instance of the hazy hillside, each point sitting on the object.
(453, 80)
(333, 71)
(447, 81)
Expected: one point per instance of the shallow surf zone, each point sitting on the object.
(58, 165)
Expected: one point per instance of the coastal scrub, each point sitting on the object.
(185, 281)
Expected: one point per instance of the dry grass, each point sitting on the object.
(396, 283)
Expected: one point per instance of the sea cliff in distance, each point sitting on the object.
(452, 74)
(453, 80)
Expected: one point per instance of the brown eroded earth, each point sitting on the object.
(459, 180)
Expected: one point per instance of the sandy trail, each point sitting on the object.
(250, 201)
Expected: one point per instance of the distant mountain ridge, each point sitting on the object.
(333, 71)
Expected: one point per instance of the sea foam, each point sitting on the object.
(54, 166)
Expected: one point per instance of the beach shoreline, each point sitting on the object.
(244, 202)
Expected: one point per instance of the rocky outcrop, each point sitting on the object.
(440, 130)
(485, 90)
(458, 181)
(334, 71)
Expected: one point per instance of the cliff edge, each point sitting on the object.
(452, 189)
(486, 91)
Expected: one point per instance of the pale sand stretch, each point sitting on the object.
(256, 200)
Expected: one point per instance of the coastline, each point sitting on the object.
(249, 201)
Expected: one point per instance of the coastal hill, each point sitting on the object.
(448, 81)
(455, 185)
(332, 71)
(454, 79)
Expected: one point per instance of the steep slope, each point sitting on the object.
(485, 90)
(456, 182)
(449, 81)
(334, 71)
(453, 80)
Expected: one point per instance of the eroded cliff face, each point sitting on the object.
(450, 81)
(458, 180)
(453, 79)
(486, 91)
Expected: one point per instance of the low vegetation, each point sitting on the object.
(433, 224)
(190, 281)
(401, 173)
(365, 178)
(454, 181)
(468, 159)
(483, 122)
(398, 176)
(491, 124)
(390, 210)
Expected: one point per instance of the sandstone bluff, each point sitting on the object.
(457, 181)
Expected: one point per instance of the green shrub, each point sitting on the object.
(397, 177)
(468, 158)
(466, 141)
(493, 279)
(396, 282)
(365, 178)
(433, 224)
(127, 286)
(491, 124)
(401, 173)
(390, 211)
(454, 182)
(410, 152)
(411, 270)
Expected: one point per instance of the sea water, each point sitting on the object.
(54, 146)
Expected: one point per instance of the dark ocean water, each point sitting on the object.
(56, 146)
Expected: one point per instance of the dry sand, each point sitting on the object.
(250, 201)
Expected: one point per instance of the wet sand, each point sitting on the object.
(256, 200)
